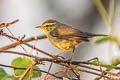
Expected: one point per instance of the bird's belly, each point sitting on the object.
(63, 44)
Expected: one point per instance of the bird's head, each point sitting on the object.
(48, 26)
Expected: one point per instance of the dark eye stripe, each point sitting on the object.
(50, 25)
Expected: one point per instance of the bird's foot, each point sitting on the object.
(70, 60)
(54, 56)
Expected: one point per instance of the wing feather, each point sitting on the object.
(68, 33)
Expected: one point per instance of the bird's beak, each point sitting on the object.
(38, 26)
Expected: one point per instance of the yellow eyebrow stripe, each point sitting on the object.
(48, 24)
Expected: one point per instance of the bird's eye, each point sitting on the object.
(47, 25)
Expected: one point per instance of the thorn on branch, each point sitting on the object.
(20, 39)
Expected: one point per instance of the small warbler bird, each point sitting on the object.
(64, 36)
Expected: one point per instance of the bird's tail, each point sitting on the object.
(95, 35)
(99, 35)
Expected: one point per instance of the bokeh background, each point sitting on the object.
(81, 14)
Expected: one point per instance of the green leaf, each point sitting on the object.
(5, 76)
(101, 39)
(24, 63)
(2, 73)
(98, 63)
(116, 61)
(9, 78)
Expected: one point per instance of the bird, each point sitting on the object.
(65, 37)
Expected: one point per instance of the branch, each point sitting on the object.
(38, 59)
(59, 61)
(8, 24)
(29, 45)
(26, 40)
(63, 63)
(33, 69)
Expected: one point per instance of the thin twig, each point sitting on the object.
(49, 69)
(76, 74)
(33, 69)
(8, 24)
(29, 45)
(25, 40)
(74, 62)
(83, 70)
(58, 72)
(25, 73)
(50, 60)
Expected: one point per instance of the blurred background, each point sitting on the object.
(81, 14)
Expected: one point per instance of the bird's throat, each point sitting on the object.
(45, 31)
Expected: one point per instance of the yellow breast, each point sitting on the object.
(62, 44)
